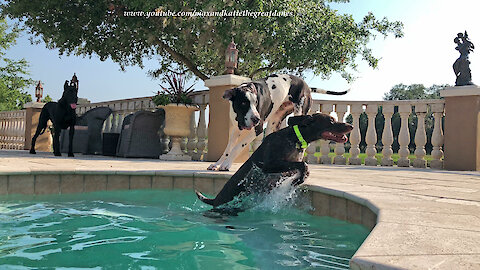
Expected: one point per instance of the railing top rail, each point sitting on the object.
(194, 94)
(381, 102)
(10, 113)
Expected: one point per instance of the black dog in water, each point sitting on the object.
(62, 114)
(281, 152)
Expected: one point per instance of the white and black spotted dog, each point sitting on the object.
(269, 100)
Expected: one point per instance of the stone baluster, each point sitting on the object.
(8, 133)
(22, 131)
(325, 145)
(420, 137)
(404, 136)
(165, 142)
(17, 131)
(437, 137)
(312, 147)
(114, 127)
(183, 144)
(13, 131)
(371, 136)
(355, 110)
(201, 135)
(119, 120)
(107, 125)
(192, 138)
(256, 142)
(387, 136)
(339, 159)
(2, 132)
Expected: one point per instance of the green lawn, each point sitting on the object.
(379, 157)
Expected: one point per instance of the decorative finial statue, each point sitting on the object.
(461, 67)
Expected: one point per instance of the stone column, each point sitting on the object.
(387, 136)
(355, 136)
(371, 136)
(420, 137)
(219, 125)
(44, 141)
(437, 137)
(404, 136)
(325, 145)
(340, 109)
(462, 128)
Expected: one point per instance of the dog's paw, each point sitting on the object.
(212, 167)
(32, 151)
(224, 167)
(57, 154)
(71, 155)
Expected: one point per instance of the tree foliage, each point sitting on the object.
(315, 37)
(413, 91)
(13, 73)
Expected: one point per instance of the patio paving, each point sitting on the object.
(427, 219)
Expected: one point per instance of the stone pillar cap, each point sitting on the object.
(228, 79)
(34, 104)
(458, 91)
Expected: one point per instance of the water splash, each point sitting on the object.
(269, 192)
(283, 196)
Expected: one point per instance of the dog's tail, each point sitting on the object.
(204, 199)
(323, 91)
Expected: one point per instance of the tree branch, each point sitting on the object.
(183, 59)
(270, 67)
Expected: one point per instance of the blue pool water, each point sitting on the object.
(158, 229)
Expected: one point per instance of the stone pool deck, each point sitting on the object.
(427, 219)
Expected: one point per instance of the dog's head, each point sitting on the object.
(70, 93)
(244, 101)
(321, 126)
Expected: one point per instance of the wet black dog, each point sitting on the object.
(281, 152)
(62, 114)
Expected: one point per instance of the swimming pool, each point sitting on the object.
(166, 229)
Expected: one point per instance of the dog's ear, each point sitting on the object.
(65, 85)
(229, 94)
(300, 120)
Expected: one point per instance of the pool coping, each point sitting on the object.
(423, 219)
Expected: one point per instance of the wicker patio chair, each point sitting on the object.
(140, 135)
(88, 132)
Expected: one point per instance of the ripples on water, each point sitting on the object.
(168, 230)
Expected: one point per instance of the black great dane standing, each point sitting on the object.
(62, 114)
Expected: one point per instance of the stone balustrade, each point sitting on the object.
(195, 145)
(12, 129)
(404, 108)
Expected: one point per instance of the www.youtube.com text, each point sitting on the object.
(223, 13)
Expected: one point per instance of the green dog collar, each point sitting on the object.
(300, 137)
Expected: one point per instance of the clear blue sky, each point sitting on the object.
(425, 55)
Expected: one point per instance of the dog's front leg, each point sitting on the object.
(233, 138)
(70, 142)
(244, 141)
(56, 141)
(280, 166)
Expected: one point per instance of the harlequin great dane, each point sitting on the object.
(269, 100)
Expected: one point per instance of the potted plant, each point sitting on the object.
(176, 100)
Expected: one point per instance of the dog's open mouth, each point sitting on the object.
(73, 106)
(333, 136)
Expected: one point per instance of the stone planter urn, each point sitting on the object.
(177, 126)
